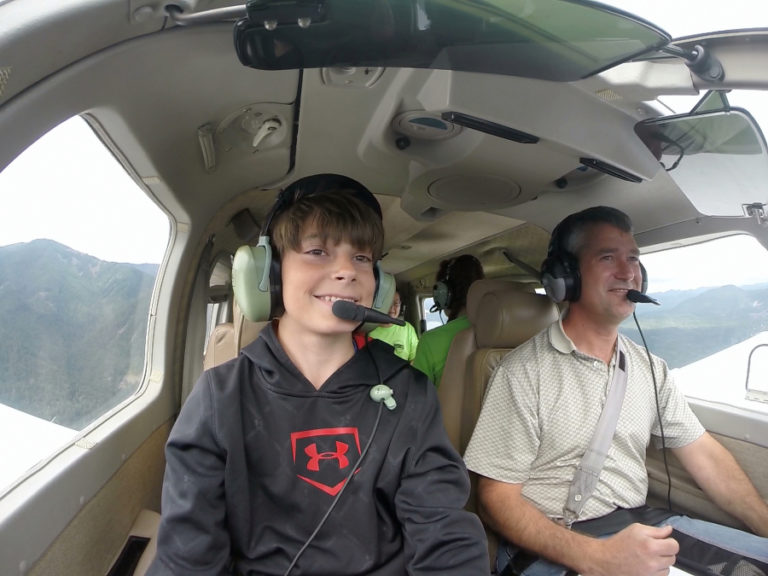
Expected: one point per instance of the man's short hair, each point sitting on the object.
(573, 228)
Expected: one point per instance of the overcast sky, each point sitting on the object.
(68, 187)
(689, 17)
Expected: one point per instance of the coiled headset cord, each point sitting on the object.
(347, 479)
(658, 415)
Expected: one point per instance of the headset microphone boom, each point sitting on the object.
(637, 296)
(347, 310)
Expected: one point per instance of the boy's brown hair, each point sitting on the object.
(337, 215)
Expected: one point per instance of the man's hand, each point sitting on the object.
(638, 550)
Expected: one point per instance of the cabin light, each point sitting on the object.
(304, 22)
(143, 13)
(270, 24)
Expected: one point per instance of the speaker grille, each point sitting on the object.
(475, 192)
(5, 74)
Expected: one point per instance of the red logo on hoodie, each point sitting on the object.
(322, 457)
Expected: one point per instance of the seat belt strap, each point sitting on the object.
(591, 464)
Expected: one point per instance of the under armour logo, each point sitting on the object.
(315, 456)
(322, 457)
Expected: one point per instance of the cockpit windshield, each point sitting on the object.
(557, 40)
(693, 17)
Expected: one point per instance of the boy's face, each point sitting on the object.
(318, 274)
(394, 310)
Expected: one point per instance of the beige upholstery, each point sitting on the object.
(502, 315)
(505, 319)
(221, 345)
(464, 344)
(146, 526)
(227, 339)
(452, 383)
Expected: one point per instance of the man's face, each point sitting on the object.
(609, 265)
(318, 274)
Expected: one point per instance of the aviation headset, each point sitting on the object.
(256, 275)
(561, 279)
(442, 291)
(560, 274)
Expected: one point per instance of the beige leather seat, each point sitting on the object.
(464, 344)
(505, 319)
(227, 339)
(503, 315)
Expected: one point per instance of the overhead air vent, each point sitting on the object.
(252, 129)
(424, 126)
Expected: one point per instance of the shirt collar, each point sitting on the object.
(558, 338)
(560, 341)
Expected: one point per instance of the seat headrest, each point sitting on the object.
(507, 318)
(480, 288)
(246, 331)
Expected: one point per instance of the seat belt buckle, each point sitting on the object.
(569, 517)
(563, 522)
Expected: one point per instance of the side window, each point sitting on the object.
(433, 319)
(80, 247)
(713, 314)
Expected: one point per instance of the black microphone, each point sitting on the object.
(347, 310)
(636, 296)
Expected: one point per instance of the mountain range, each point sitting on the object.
(693, 324)
(73, 331)
(73, 327)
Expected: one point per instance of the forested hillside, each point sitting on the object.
(72, 331)
(690, 325)
(72, 328)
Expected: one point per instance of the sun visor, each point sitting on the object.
(718, 159)
(557, 40)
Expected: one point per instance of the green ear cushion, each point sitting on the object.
(441, 294)
(385, 290)
(384, 296)
(250, 280)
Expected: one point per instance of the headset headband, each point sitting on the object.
(318, 184)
